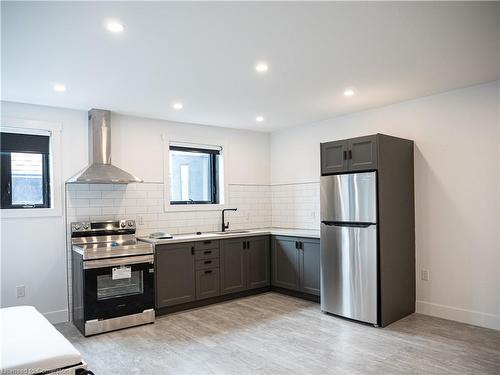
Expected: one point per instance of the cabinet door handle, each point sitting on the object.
(350, 154)
(248, 244)
(208, 271)
(207, 242)
(301, 245)
(207, 262)
(345, 155)
(207, 252)
(244, 244)
(192, 250)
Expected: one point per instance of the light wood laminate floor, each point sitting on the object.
(276, 334)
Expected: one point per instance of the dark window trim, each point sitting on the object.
(214, 174)
(27, 144)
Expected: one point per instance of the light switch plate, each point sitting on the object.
(20, 291)
(424, 274)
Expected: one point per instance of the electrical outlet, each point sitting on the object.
(20, 291)
(424, 274)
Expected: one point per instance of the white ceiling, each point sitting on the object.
(203, 54)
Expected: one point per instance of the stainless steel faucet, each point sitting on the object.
(224, 225)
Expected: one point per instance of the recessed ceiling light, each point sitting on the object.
(261, 67)
(115, 27)
(177, 106)
(59, 87)
(259, 119)
(349, 92)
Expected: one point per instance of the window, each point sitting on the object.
(194, 175)
(24, 177)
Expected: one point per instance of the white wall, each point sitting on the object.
(457, 190)
(33, 249)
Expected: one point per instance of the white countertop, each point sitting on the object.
(308, 233)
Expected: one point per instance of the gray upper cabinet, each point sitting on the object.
(175, 274)
(334, 157)
(362, 153)
(310, 266)
(285, 261)
(355, 154)
(258, 272)
(296, 264)
(232, 266)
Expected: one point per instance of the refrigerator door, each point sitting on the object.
(349, 198)
(349, 271)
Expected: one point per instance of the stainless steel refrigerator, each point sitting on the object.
(349, 246)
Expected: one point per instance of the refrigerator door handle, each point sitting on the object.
(350, 224)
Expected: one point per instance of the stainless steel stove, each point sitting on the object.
(113, 276)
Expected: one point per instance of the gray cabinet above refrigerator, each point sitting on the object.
(355, 154)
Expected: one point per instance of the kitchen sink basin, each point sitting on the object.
(233, 232)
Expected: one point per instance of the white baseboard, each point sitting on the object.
(461, 315)
(59, 316)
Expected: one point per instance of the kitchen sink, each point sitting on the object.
(233, 232)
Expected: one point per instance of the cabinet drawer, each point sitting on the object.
(206, 254)
(207, 244)
(207, 283)
(207, 263)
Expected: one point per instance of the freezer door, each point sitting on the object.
(349, 197)
(349, 271)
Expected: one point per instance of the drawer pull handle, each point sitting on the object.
(207, 252)
(208, 271)
(207, 242)
(207, 262)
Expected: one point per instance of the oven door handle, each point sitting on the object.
(112, 262)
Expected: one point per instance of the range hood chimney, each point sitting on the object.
(100, 170)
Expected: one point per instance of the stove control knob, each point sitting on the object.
(77, 227)
(122, 224)
(130, 223)
(86, 226)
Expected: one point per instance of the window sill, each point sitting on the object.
(193, 207)
(26, 213)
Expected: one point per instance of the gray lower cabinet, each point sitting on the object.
(175, 274)
(258, 259)
(310, 266)
(296, 264)
(285, 261)
(207, 283)
(244, 264)
(232, 266)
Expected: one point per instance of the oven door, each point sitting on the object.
(118, 286)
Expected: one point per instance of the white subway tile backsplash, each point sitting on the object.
(88, 211)
(101, 202)
(78, 203)
(125, 202)
(155, 194)
(88, 194)
(76, 187)
(100, 187)
(113, 194)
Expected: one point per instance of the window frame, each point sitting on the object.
(214, 173)
(37, 127)
(6, 164)
(179, 138)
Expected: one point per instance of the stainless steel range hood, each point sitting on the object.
(100, 170)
